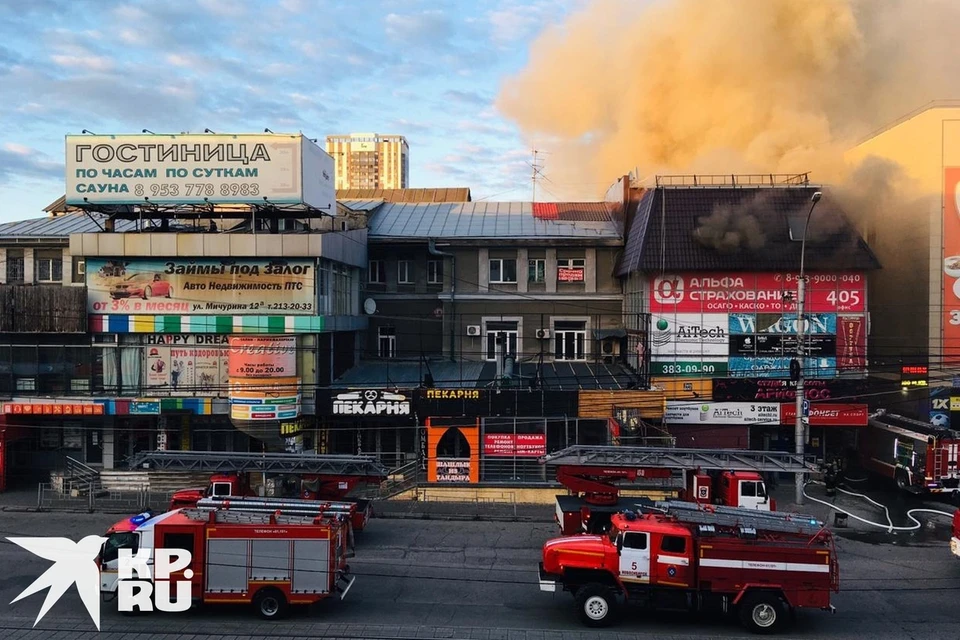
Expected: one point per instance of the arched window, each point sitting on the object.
(453, 444)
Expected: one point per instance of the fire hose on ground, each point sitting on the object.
(889, 526)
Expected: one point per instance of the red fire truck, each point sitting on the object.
(727, 477)
(691, 557)
(305, 476)
(235, 486)
(269, 561)
(920, 457)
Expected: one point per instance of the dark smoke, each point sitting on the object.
(734, 228)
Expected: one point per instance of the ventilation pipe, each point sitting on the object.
(432, 248)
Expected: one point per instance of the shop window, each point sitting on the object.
(453, 444)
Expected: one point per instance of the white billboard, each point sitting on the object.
(729, 413)
(279, 169)
(689, 334)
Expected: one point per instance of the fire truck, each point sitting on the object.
(920, 457)
(328, 478)
(729, 477)
(269, 561)
(762, 566)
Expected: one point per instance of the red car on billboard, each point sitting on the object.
(142, 285)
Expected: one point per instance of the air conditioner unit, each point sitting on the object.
(543, 333)
(611, 346)
(473, 330)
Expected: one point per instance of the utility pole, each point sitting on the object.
(800, 439)
(536, 170)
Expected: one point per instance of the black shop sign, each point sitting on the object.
(774, 345)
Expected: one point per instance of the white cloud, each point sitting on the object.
(90, 63)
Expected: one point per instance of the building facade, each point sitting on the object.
(370, 161)
(137, 339)
(710, 276)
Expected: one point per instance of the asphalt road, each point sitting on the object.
(433, 579)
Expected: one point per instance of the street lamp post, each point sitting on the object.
(800, 439)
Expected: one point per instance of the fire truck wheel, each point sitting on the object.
(597, 604)
(763, 612)
(270, 604)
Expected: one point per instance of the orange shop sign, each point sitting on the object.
(48, 409)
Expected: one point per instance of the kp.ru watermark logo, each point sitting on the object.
(140, 585)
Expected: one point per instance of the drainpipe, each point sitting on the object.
(432, 248)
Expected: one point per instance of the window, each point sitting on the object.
(536, 270)
(404, 272)
(434, 272)
(570, 270)
(49, 269)
(673, 544)
(569, 340)
(750, 489)
(376, 272)
(14, 265)
(79, 269)
(634, 540)
(387, 342)
(506, 333)
(503, 270)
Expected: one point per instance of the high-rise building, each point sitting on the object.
(370, 161)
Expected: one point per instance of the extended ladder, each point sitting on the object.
(292, 463)
(273, 505)
(734, 517)
(667, 458)
(229, 516)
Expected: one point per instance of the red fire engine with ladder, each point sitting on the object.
(297, 476)
(730, 477)
(267, 560)
(678, 555)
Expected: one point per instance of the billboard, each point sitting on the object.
(253, 399)
(183, 364)
(756, 293)
(779, 366)
(521, 445)
(688, 334)
(278, 169)
(828, 415)
(785, 390)
(254, 357)
(951, 266)
(730, 413)
(183, 286)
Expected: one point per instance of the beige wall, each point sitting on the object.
(909, 246)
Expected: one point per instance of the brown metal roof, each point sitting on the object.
(572, 211)
(452, 194)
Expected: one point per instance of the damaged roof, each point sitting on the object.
(449, 194)
(483, 221)
(740, 228)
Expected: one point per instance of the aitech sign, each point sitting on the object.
(755, 292)
(730, 413)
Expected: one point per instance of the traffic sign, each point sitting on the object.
(806, 408)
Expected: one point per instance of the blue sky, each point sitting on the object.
(426, 69)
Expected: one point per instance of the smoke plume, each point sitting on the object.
(729, 229)
(738, 86)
